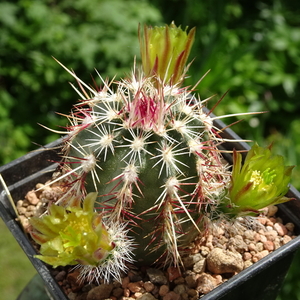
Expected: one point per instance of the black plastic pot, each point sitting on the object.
(260, 281)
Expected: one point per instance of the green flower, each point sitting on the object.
(262, 181)
(165, 50)
(72, 235)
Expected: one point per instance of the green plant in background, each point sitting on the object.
(84, 35)
(12, 280)
(150, 151)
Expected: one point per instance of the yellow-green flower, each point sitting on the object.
(77, 235)
(165, 50)
(72, 235)
(262, 181)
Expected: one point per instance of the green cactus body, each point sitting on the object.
(147, 153)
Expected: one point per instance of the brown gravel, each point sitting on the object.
(214, 258)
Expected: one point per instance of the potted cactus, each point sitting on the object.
(143, 171)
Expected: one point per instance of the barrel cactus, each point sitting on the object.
(149, 150)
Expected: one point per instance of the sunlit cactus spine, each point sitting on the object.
(149, 150)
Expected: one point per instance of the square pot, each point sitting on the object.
(262, 280)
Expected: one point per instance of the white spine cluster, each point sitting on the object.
(116, 263)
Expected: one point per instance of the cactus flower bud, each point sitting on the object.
(77, 235)
(165, 50)
(262, 181)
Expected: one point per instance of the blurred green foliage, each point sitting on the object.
(82, 34)
(251, 47)
(290, 289)
(16, 269)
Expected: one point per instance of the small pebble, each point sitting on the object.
(270, 222)
(171, 296)
(24, 221)
(180, 289)
(262, 220)
(247, 256)
(290, 227)
(256, 237)
(280, 228)
(258, 256)
(126, 292)
(268, 245)
(72, 279)
(271, 235)
(259, 246)
(191, 281)
(249, 235)
(72, 296)
(286, 239)
(269, 228)
(20, 203)
(191, 259)
(218, 231)
(221, 261)
(135, 286)
(206, 283)
(218, 279)
(237, 243)
(173, 273)
(252, 247)
(21, 210)
(157, 276)
(279, 220)
(28, 214)
(272, 210)
(146, 296)
(179, 280)
(163, 290)
(32, 198)
(247, 263)
(277, 243)
(192, 292)
(61, 275)
(148, 286)
(137, 295)
(263, 238)
(199, 266)
(204, 251)
(100, 292)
